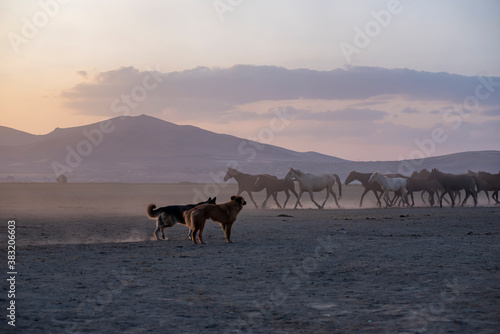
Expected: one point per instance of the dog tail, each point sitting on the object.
(340, 185)
(187, 217)
(151, 211)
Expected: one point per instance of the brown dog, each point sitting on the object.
(224, 214)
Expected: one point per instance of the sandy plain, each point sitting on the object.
(86, 262)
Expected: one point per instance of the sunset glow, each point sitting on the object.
(65, 62)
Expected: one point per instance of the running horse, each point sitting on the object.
(396, 184)
(494, 182)
(314, 183)
(273, 185)
(246, 182)
(452, 183)
(363, 178)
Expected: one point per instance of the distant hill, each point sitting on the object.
(147, 149)
(136, 149)
(12, 137)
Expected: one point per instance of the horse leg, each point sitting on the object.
(396, 195)
(287, 197)
(275, 196)
(296, 195)
(474, 195)
(298, 199)
(327, 195)
(446, 200)
(251, 197)
(495, 197)
(422, 196)
(401, 198)
(312, 199)
(379, 203)
(386, 198)
(363, 195)
(412, 199)
(406, 197)
(441, 199)
(451, 198)
(467, 194)
(335, 197)
(487, 196)
(265, 201)
(431, 198)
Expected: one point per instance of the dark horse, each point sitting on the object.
(363, 178)
(273, 185)
(483, 185)
(493, 181)
(452, 183)
(246, 182)
(416, 182)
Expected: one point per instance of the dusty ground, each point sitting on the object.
(86, 262)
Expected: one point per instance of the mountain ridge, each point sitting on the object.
(146, 149)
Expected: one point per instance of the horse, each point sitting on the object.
(313, 183)
(433, 188)
(452, 183)
(416, 183)
(363, 178)
(482, 185)
(494, 182)
(246, 182)
(391, 184)
(273, 185)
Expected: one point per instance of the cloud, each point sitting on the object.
(203, 90)
(349, 114)
(83, 74)
(491, 112)
(409, 110)
(434, 112)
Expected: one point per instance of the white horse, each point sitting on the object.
(391, 184)
(313, 183)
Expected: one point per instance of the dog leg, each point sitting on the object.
(200, 237)
(227, 232)
(199, 229)
(193, 237)
(157, 229)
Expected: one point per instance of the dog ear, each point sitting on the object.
(232, 198)
(214, 199)
(209, 199)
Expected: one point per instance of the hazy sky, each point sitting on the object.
(64, 63)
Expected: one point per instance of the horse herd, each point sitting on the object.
(435, 184)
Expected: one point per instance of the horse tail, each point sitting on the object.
(340, 185)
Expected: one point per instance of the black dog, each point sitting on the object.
(168, 216)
